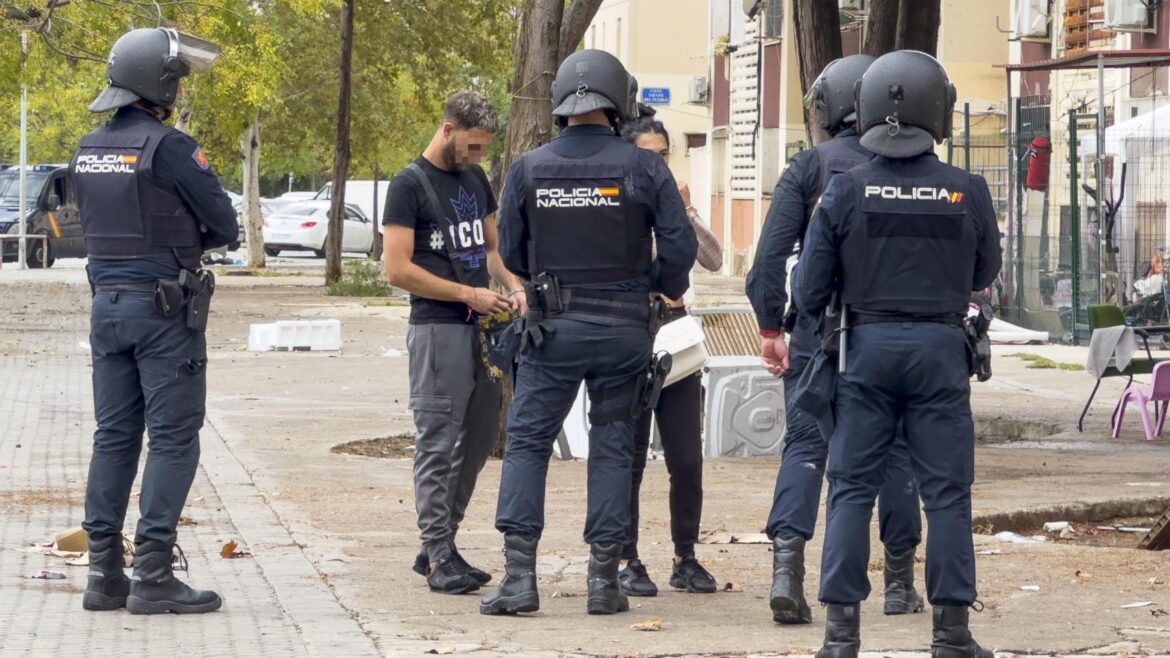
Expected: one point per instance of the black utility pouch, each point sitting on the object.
(168, 298)
(200, 286)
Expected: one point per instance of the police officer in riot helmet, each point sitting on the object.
(150, 204)
(798, 484)
(578, 221)
(903, 240)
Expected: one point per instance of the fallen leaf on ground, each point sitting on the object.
(186, 520)
(1159, 612)
(228, 550)
(733, 587)
(82, 561)
(648, 625)
(1085, 575)
(46, 575)
(735, 538)
(1155, 581)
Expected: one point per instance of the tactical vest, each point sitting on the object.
(838, 156)
(125, 212)
(584, 225)
(910, 245)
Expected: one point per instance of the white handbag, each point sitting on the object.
(684, 340)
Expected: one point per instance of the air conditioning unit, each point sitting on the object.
(1127, 15)
(699, 91)
(1031, 19)
(851, 5)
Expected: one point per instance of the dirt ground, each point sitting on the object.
(284, 413)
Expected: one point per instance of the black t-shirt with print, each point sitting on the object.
(467, 201)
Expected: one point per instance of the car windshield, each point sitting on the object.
(10, 187)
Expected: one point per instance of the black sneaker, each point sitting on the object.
(689, 575)
(635, 581)
(422, 566)
(422, 563)
(478, 575)
(450, 577)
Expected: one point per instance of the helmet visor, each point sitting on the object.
(196, 53)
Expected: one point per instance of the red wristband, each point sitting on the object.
(769, 333)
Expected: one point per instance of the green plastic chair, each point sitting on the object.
(1108, 315)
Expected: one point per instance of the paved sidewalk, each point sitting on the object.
(275, 603)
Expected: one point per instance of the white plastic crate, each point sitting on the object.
(296, 336)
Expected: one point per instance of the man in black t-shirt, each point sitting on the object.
(440, 245)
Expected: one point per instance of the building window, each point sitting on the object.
(773, 19)
(1082, 25)
(695, 141)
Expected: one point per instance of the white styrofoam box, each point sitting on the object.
(745, 409)
(684, 340)
(296, 336)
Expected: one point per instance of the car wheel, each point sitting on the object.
(271, 252)
(40, 254)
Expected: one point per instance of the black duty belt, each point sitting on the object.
(862, 318)
(126, 287)
(633, 307)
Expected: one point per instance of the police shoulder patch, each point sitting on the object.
(200, 158)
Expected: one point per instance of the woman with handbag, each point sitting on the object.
(678, 418)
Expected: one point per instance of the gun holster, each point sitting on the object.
(168, 297)
(650, 384)
(790, 317)
(658, 315)
(199, 287)
(979, 343)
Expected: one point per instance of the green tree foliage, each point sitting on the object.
(278, 64)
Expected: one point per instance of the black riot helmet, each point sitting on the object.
(905, 104)
(834, 92)
(591, 80)
(147, 64)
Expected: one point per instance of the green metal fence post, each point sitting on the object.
(1074, 221)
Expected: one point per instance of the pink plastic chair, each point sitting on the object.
(1159, 391)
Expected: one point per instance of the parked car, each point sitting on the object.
(303, 226)
(267, 207)
(363, 194)
(52, 211)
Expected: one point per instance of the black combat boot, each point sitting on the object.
(635, 580)
(787, 598)
(155, 590)
(952, 638)
(108, 585)
(842, 632)
(517, 591)
(605, 596)
(901, 597)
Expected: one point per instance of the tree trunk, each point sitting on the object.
(253, 222)
(183, 121)
(882, 31)
(577, 19)
(376, 220)
(918, 23)
(537, 58)
(818, 42)
(340, 151)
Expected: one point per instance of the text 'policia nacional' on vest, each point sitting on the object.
(579, 197)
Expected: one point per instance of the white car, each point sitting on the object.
(302, 226)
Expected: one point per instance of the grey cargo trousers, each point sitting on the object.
(456, 408)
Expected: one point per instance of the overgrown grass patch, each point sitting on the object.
(360, 278)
